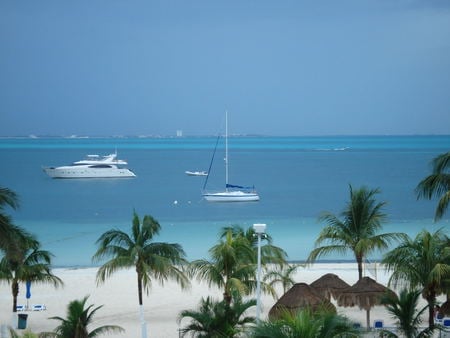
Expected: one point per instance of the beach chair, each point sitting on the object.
(446, 326)
(357, 326)
(378, 324)
(39, 307)
(20, 308)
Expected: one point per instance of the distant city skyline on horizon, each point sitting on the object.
(55, 136)
(293, 68)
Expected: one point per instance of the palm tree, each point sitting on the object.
(233, 263)
(357, 231)
(404, 310)
(152, 260)
(232, 266)
(270, 254)
(9, 233)
(218, 319)
(282, 275)
(13, 238)
(79, 318)
(32, 265)
(306, 324)
(422, 262)
(8, 197)
(437, 184)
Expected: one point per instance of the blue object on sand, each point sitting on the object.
(28, 284)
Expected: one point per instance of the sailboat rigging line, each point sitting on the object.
(211, 163)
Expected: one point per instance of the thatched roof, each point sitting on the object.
(365, 293)
(445, 308)
(329, 285)
(299, 296)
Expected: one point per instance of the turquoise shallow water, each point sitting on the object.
(297, 178)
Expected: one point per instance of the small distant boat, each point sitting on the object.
(232, 193)
(93, 166)
(196, 173)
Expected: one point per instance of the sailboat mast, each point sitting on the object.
(226, 150)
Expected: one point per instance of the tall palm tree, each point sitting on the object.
(422, 262)
(32, 265)
(306, 324)
(13, 238)
(152, 260)
(79, 318)
(357, 231)
(404, 309)
(218, 319)
(232, 265)
(437, 184)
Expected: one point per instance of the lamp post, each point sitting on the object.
(259, 230)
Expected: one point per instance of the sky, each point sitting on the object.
(279, 67)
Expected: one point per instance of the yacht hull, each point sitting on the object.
(78, 172)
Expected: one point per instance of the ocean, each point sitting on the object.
(297, 179)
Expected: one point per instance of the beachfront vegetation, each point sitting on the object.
(22, 259)
(12, 237)
(25, 334)
(422, 262)
(270, 254)
(437, 184)
(152, 260)
(31, 265)
(357, 231)
(306, 324)
(408, 318)
(7, 229)
(76, 324)
(218, 319)
(282, 275)
(232, 265)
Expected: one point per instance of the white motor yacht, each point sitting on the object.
(93, 166)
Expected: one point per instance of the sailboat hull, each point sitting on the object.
(231, 196)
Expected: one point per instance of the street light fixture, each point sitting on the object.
(259, 230)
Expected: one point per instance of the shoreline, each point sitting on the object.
(73, 244)
(162, 304)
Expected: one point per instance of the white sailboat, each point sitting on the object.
(232, 193)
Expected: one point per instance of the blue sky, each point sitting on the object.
(109, 67)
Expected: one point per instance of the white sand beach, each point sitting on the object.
(119, 298)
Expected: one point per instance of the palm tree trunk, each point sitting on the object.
(227, 298)
(15, 292)
(143, 323)
(360, 267)
(139, 280)
(431, 303)
(368, 318)
(141, 307)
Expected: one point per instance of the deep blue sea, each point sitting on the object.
(296, 177)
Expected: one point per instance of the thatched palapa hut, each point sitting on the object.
(300, 296)
(365, 293)
(329, 285)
